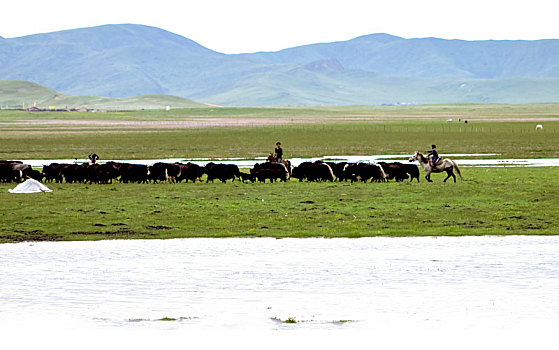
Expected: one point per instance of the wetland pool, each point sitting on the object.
(426, 283)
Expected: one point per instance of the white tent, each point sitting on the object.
(30, 186)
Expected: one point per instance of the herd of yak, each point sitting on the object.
(15, 171)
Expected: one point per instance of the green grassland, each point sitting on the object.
(496, 201)
(437, 111)
(509, 140)
(492, 201)
(508, 130)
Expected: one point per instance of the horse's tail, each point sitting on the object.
(457, 170)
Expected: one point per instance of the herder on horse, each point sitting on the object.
(434, 156)
(277, 157)
(93, 158)
(434, 164)
(278, 153)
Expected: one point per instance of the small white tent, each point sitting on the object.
(30, 186)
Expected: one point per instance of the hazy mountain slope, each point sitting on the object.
(326, 82)
(430, 57)
(354, 87)
(128, 60)
(112, 60)
(18, 94)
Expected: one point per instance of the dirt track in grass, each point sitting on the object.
(193, 123)
(213, 122)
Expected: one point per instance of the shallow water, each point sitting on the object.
(475, 283)
(249, 163)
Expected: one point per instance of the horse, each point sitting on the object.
(443, 165)
(271, 158)
(286, 163)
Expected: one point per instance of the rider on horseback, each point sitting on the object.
(278, 153)
(434, 156)
(93, 158)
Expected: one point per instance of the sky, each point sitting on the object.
(237, 26)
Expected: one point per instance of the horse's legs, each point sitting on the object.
(428, 177)
(450, 173)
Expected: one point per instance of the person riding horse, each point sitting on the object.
(446, 165)
(434, 156)
(278, 153)
(93, 158)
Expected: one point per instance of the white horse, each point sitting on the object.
(443, 165)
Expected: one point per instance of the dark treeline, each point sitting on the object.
(109, 172)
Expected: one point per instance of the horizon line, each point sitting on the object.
(277, 50)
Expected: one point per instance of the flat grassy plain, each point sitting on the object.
(491, 201)
(304, 132)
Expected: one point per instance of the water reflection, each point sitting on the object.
(367, 283)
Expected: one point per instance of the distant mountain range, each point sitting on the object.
(127, 60)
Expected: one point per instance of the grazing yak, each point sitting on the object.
(13, 171)
(34, 174)
(75, 172)
(400, 171)
(271, 174)
(157, 172)
(364, 172)
(8, 174)
(222, 172)
(70, 172)
(164, 172)
(53, 172)
(102, 173)
(317, 171)
(271, 171)
(247, 177)
(339, 173)
(134, 173)
(82, 173)
(189, 171)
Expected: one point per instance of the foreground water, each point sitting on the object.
(500, 283)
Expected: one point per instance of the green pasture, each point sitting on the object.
(496, 201)
(491, 201)
(508, 139)
(508, 130)
(439, 111)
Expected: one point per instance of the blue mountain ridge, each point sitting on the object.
(124, 60)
